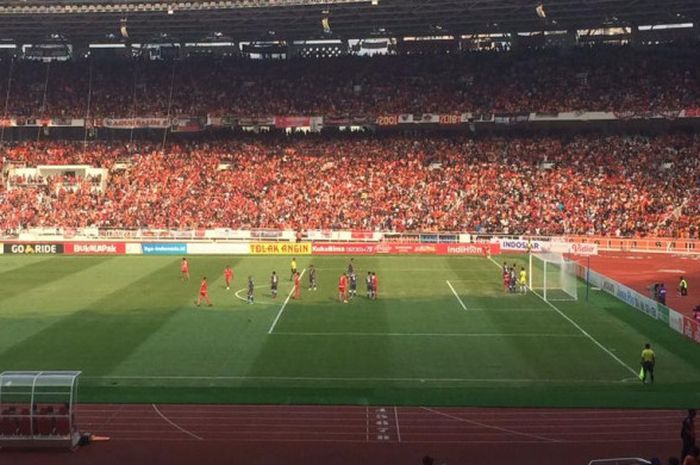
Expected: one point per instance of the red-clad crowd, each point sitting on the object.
(598, 79)
(615, 185)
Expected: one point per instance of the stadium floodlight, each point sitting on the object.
(540, 11)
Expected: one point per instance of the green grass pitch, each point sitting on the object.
(131, 326)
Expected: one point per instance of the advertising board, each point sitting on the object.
(280, 248)
(95, 248)
(214, 248)
(164, 248)
(34, 248)
(343, 248)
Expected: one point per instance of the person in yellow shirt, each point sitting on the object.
(683, 287)
(522, 280)
(648, 362)
(294, 268)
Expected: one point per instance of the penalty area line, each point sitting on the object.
(284, 305)
(583, 331)
(456, 295)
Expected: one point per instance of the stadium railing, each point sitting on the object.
(509, 242)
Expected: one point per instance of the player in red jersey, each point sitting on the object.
(342, 288)
(203, 293)
(297, 285)
(506, 280)
(184, 270)
(375, 286)
(228, 276)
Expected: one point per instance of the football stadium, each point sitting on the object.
(459, 232)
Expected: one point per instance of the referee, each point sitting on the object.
(648, 362)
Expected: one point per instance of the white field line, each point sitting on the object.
(245, 289)
(513, 310)
(583, 331)
(398, 428)
(160, 414)
(351, 379)
(284, 305)
(486, 425)
(367, 423)
(359, 334)
(456, 295)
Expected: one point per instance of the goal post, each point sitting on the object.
(552, 277)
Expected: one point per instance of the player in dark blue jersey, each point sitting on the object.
(274, 282)
(353, 285)
(312, 278)
(251, 290)
(368, 281)
(512, 283)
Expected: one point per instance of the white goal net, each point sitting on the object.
(552, 277)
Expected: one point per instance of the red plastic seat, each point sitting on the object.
(25, 428)
(8, 426)
(44, 425)
(62, 426)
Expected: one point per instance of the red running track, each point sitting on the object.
(237, 434)
(640, 270)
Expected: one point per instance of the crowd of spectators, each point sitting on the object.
(599, 79)
(615, 185)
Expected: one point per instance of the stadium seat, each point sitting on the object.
(62, 425)
(25, 428)
(9, 425)
(45, 425)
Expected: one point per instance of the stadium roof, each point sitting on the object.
(28, 21)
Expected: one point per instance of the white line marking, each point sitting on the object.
(284, 305)
(175, 424)
(367, 423)
(583, 331)
(456, 295)
(358, 379)
(398, 429)
(332, 333)
(513, 310)
(486, 425)
(245, 289)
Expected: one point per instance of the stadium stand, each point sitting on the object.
(593, 79)
(615, 185)
(543, 118)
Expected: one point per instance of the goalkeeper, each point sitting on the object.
(522, 280)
